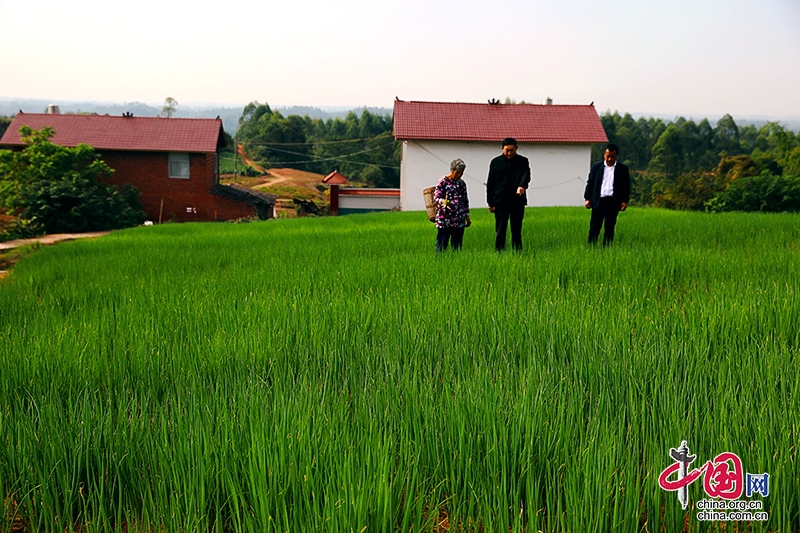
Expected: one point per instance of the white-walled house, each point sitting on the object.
(557, 140)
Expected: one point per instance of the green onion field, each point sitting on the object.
(335, 374)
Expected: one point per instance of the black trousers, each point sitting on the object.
(445, 235)
(604, 214)
(502, 214)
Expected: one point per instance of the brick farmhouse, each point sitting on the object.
(173, 162)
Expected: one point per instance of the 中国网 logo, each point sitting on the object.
(724, 482)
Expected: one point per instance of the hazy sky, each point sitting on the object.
(678, 57)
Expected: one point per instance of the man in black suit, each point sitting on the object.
(509, 176)
(608, 191)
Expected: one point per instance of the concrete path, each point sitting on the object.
(51, 239)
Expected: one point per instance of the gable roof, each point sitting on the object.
(334, 178)
(494, 122)
(104, 132)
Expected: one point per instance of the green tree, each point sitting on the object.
(668, 157)
(4, 123)
(359, 146)
(250, 115)
(635, 138)
(58, 187)
(170, 106)
(705, 156)
(792, 162)
(752, 139)
(726, 136)
(684, 147)
(229, 145)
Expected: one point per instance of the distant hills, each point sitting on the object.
(325, 114)
(791, 123)
(229, 115)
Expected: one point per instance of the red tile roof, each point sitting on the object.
(494, 122)
(105, 132)
(334, 178)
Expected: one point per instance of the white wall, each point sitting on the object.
(558, 171)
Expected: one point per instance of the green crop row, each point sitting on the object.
(227, 166)
(335, 374)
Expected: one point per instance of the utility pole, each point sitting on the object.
(235, 153)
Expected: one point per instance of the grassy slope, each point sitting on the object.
(332, 374)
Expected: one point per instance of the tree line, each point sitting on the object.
(360, 146)
(686, 165)
(680, 164)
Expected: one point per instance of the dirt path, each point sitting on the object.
(250, 162)
(277, 179)
(289, 182)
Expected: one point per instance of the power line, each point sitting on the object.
(448, 164)
(369, 164)
(555, 184)
(276, 163)
(341, 155)
(262, 143)
(335, 158)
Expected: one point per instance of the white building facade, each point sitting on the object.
(556, 140)
(558, 171)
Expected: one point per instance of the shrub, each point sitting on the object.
(77, 204)
(765, 192)
(21, 228)
(688, 191)
(59, 188)
(249, 171)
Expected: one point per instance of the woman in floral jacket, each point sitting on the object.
(452, 207)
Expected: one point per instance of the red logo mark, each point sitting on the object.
(723, 477)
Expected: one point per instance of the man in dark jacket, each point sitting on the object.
(608, 191)
(509, 177)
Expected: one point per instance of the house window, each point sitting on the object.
(179, 166)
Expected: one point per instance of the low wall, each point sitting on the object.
(352, 200)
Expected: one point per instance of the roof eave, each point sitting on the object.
(519, 140)
(221, 137)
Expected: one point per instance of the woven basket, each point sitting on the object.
(430, 203)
